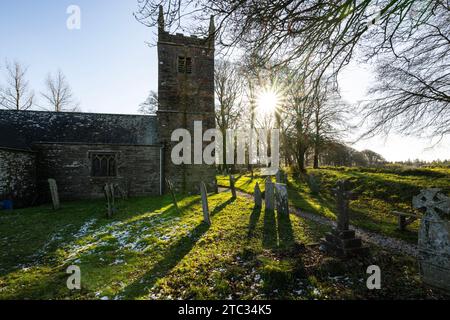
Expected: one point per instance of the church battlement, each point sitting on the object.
(181, 39)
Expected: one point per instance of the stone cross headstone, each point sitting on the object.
(204, 193)
(434, 238)
(172, 193)
(341, 240)
(54, 193)
(282, 200)
(110, 199)
(233, 186)
(257, 196)
(343, 196)
(269, 194)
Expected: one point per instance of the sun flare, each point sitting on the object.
(268, 100)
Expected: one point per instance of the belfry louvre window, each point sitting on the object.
(104, 164)
(185, 65)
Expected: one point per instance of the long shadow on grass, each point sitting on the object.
(175, 254)
(270, 239)
(222, 206)
(254, 218)
(285, 232)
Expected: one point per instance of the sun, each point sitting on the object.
(268, 100)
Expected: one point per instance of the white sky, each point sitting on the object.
(354, 82)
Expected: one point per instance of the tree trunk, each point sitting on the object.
(316, 156)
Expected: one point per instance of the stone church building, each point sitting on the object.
(83, 151)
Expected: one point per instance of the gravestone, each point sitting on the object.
(232, 186)
(204, 193)
(54, 193)
(269, 194)
(342, 241)
(110, 199)
(434, 238)
(279, 176)
(257, 196)
(172, 193)
(314, 184)
(282, 200)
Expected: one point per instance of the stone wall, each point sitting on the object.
(18, 176)
(70, 165)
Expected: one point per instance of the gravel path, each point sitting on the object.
(386, 242)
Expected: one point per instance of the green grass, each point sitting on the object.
(150, 251)
(378, 192)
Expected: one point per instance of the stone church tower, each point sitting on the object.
(186, 94)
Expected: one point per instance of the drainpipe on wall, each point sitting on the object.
(162, 177)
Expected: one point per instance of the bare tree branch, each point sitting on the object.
(16, 95)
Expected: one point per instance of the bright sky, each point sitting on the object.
(109, 65)
(354, 82)
(111, 68)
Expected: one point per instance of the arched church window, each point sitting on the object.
(104, 164)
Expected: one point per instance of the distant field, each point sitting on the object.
(378, 192)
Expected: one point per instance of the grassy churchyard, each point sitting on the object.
(149, 250)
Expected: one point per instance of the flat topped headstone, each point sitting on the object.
(269, 194)
(257, 196)
(434, 238)
(205, 207)
(282, 200)
(54, 193)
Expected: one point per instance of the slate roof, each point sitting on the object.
(20, 129)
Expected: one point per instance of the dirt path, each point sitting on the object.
(386, 242)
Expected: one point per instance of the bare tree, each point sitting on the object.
(228, 90)
(412, 91)
(373, 158)
(58, 95)
(299, 117)
(150, 105)
(330, 114)
(17, 94)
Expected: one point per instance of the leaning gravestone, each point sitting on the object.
(172, 193)
(257, 196)
(204, 193)
(269, 194)
(110, 199)
(282, 201)
(342, 241)
(233, 186)
(54, 193)
(434, 238)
